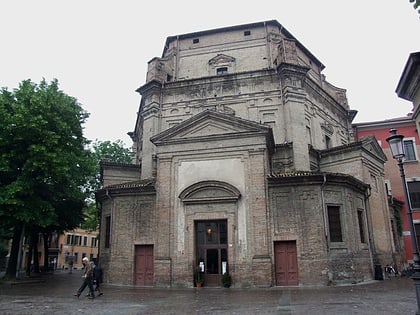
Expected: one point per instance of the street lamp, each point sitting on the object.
(396, 145)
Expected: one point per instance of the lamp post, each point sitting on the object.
(396, 145)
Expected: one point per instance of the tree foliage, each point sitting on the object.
(44, 158)
(109, 151)
(416, 5)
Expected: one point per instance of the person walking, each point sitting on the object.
(97, 279)
(87, 279)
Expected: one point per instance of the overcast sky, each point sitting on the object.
(98, 50)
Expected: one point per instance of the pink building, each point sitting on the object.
(405, 126)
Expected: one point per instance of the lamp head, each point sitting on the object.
(396, 144)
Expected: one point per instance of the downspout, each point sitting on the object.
(324, 211)
(372, 251)
(112, 214)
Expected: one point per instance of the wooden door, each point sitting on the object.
(144, 265)
(286, 267)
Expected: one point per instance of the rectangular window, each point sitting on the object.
(211, 232)
(247, 33)
(78, 240)
(69, 239)
(107, 231)
(196, 40)
(222, 71)
(388, 187)
(85, 240)
(409, 150)
(361, 226)
(417, 231)
(309, 135)
(93, 242)
(414, 193)
(334, 223)
(327, 142)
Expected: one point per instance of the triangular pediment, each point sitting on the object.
(210, 125)
(371, 145)
(221, 59)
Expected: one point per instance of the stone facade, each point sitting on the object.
(245, 163)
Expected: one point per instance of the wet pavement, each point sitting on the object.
(53, 294)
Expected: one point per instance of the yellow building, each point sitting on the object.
(67, 250)
(74, 245)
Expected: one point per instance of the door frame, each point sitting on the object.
(211, 279)
(286, 264)
(148, 263)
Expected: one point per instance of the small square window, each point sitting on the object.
(222, 71)
(247, 33)
(196, 40)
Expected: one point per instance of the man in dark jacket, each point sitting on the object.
(97, 278)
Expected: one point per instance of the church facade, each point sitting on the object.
(244, 162)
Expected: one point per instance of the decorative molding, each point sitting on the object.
(210, 192)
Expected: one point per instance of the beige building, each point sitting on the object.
(76, 244)
(65, 250)
(245, 162)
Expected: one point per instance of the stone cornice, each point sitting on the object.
(140, 187)
(154, 84)
(409, 82)
(316, 178)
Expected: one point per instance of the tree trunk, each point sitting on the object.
(35, 256)
(46, 237)
(30, 251)
(13, 258)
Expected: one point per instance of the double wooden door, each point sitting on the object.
(286, 267)
(144, 271)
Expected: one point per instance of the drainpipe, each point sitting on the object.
(324, 210)
(112, 214)
(371, 247)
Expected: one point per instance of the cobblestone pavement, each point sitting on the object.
(53, 294)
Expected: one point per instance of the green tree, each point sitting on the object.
(416, 5)
(44, 160)
(108, 151)
(111, 151)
